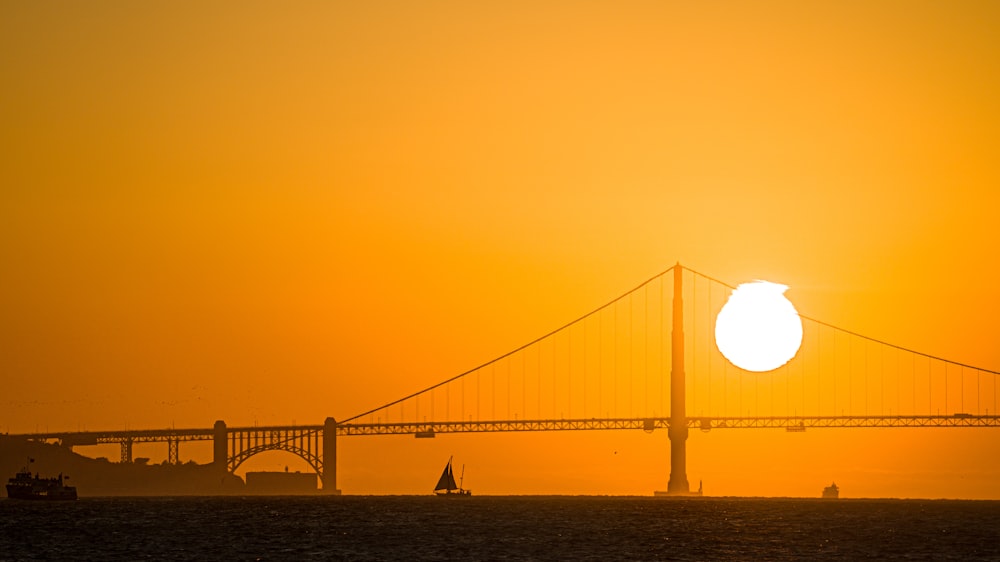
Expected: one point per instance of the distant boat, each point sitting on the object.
(446, 484)
(831, 492)
(24, 486)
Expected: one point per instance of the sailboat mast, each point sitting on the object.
(461, 479)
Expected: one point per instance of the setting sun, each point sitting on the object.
(758, 329)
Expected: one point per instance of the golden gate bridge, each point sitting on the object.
(645, 360)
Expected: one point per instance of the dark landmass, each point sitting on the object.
(100, 477)
(281, 483)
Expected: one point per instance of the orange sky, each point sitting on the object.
(273, 213)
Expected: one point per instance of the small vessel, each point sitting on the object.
(24, 486)
(446, 484)
(831, 492)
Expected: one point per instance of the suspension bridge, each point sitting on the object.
(645, 360)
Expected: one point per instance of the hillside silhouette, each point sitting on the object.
(100, 477)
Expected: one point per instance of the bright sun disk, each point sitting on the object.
(758, 329)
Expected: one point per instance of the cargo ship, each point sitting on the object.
(25, 486)
(831, 492)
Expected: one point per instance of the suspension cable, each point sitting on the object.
(509, 353)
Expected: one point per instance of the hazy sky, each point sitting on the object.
(275, 212)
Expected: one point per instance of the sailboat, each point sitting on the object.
(446, 484)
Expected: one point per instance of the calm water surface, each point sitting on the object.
(498, 528)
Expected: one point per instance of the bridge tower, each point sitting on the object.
(330, 457)
(678, 432)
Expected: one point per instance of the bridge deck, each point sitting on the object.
(793, 423)
(157, 435)
(427, 429)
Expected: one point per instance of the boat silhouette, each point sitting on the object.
(446, 486)
(25, 486)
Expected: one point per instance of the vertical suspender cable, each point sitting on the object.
(899, 384)
(850, 376)
(569, 371)
(802, 390)
(865, 372)
(663, 395)
(725, 387)
(819, 370)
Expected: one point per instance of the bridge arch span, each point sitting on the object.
(313, 460)
(310, 443)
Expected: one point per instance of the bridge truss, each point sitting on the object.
(790, 423)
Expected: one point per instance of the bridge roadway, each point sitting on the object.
(317, 444)
(791, 423)
(420, 429)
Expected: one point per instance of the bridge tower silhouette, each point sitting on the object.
(678, 431)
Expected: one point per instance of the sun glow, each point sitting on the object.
(758, 329)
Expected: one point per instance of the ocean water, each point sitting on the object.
(498, 528)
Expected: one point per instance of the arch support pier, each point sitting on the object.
(220, 447)
(330, 457)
